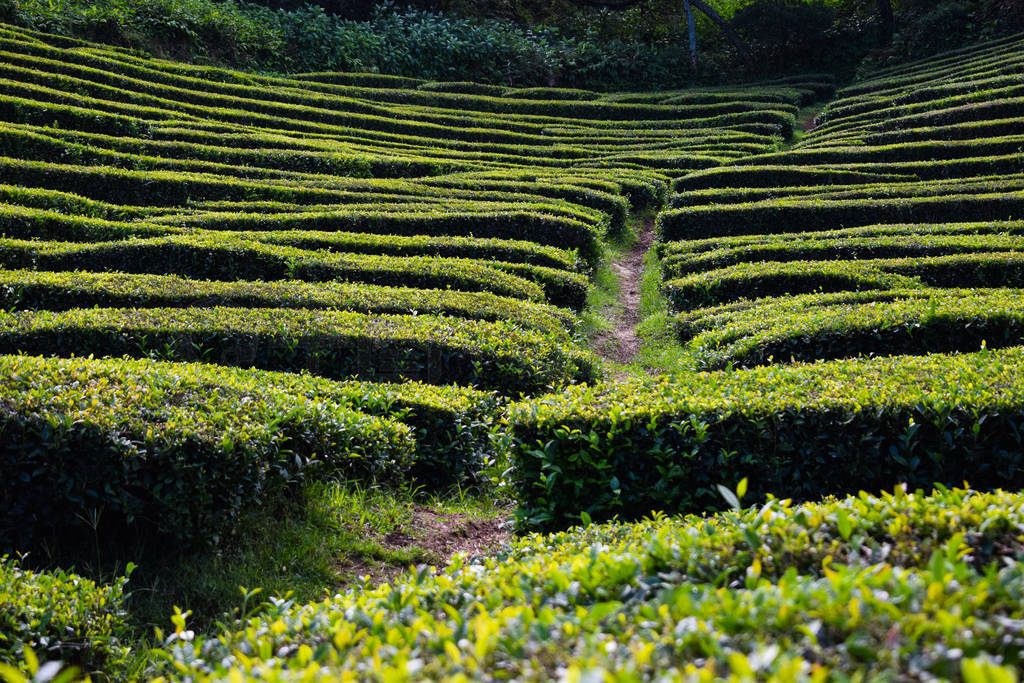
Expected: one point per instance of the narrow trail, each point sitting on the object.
(805, 123)
(621, 344)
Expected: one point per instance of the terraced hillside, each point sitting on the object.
(410, 255)
(849, 312)
(218, 287)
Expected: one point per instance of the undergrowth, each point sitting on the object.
(660, 350)
(308, 550)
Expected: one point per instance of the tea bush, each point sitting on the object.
(63, 617)
(794, 430)
(776, 590)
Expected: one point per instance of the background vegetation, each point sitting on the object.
(520, 42)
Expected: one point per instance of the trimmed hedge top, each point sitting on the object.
(801, 431)
(773, 591)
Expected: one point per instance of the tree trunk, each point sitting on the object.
(727, 29)
(693, 33)
(888, 21)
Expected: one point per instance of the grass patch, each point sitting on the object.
(804, 122)
(309, 550)
(603, 303)
(660, 350)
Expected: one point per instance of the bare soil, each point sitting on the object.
(620, 344)
(446, 534)
(441, 536)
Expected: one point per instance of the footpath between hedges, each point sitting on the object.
(621, 345)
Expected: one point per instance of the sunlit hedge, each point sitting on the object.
(899, 585)
(797, 431)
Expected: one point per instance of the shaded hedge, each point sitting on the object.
(796, 431)
(123, 445)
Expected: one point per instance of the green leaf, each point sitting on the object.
(729, 496)
(843, 522)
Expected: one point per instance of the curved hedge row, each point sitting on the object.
(795, 215)
(495, 356)
(60, 291)
(127, 443)
(758, 280)
(683, 249)
(479, 248)
(762, 279)
(828, 326)
(840, 249)
(510, 223)
(768, 176)
(223, 257)
(1011, 183)
(796, 431)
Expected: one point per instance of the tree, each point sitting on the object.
(888, 21)
(688, 5)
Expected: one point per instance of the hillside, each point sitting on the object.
(224, 291)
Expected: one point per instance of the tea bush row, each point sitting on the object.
(497, 356)
(827, 326)
(128, 444)
(795, 430)
(779, 591)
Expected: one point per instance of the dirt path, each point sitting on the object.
(441, 535)
(805, 123)
(620, 344)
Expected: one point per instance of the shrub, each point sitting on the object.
(63, 617)
(334, 344)
(206, 256)
(797, 431)
(777, 176)
(756, 280)
(828, 326)
(123, 445)
(849, 249)
(794, 215)
(776, 589)
(59, 291)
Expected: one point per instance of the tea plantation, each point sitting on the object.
(220, 290)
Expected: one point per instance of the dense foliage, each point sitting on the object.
(235, 302)
(363, 229)
(105, 453)
(63, 619)
(862, 586)
(793, 430)
(797, 256)
(517, 42)
(408, 42)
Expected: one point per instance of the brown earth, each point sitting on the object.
(620, 344)
(441, 535)
(446, 534)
